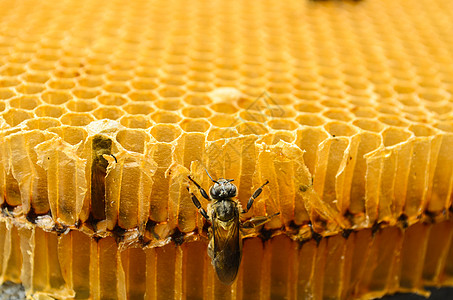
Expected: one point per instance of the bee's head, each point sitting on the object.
(222, 189)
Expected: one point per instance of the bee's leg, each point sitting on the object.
(254, 196)
(257, 221)
(198, 205)
(202, 191)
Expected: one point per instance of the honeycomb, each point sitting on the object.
(107, 106)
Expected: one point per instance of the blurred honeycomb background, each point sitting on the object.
(345, 107)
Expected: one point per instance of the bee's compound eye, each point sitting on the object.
(232, 190)
(214, 191)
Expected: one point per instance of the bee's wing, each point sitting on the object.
(227, 250)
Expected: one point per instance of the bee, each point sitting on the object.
(225, 234)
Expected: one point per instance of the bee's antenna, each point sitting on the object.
(210, 176)
(229, 180)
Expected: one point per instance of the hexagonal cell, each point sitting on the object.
(409, 100)
(169, 104)
(42, 123)
(8, 82)
(171, 92)
(138, 108)
(174, 80)
(202, 67)
(223, 120)
(137, 121)
(117, 87)
(165, 117)
(221, 133)
(56, 97)
(310, 120)
(282, 124)
(85, 93)
(146, 72)
(53, 111)
(144, 84)
(433, 95)
(422, 130)
(81, 105)
(61, 84)
(196, 112)
(197, 99)
(334, 103)
(25, 102)
(280, 112)
(392, 136)
(49, 56)
(430, 82)
(2, 106)
(200, 87)
(384, 91)
(337, 128)
(108, 112)
(337, 114)
(248, 115)
(364, 112)
(415, 113)
(70, 134)
(12, 70)
(36, 77)
(361, 101)
(30, 88)
(282, 88)
(225, 75)
(278, 77)
(40, 65)
(200, 76)
(173, 59)
(6, 93)
(132, 140)
(440, 109)
(403, 87)
(308, 95)
(66, 73)
(98, 59)
(165, 132)
(142, 96)
(15, 116)
(312, 107)
(221, 107)
(17, 57)
(272, 100)
(369, 125)
(195, 125)
(77, 119)
(446, 126)
(113, 100)
(68, 62)
(90, 81)
(393, 121)
(251, 128)
(95, 70)
(388, 110)
(247, 83)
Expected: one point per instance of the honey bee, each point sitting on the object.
(225, 238)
